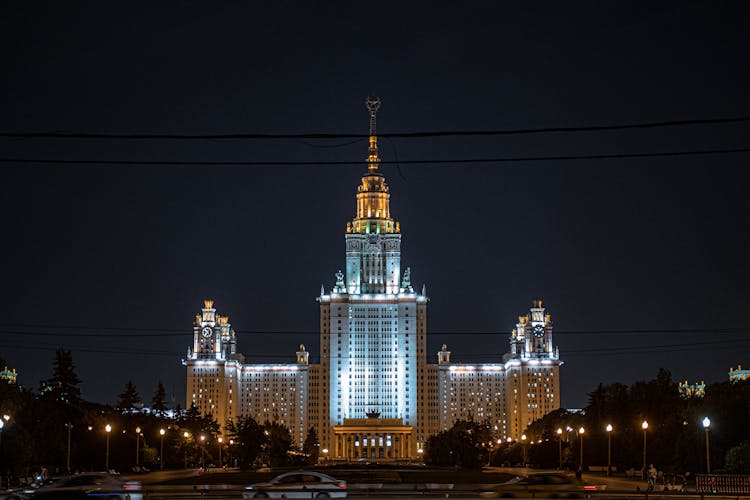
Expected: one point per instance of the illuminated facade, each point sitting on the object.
(696, 390)
(511, 393)
(738, 374)
(8, 376)
(373, 395)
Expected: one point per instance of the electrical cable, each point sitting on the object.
(440, 133)
(435, 161)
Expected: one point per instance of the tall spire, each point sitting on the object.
(373, 105)
(373, 208)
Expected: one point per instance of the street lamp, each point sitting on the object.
(69, 426)
(559, 444)
(203, 439)
(706, 425)
(137, 445)
(186, 435)
(220, 440)
(229, 449)
(107, 428)
(523, 448)
(609, 449)
(581, 431)
(644, 426)
(161, 448)
(325, 456)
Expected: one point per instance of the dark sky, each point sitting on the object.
(626, 244)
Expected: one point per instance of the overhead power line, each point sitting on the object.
(608, 351)
(433, 161)
(439, 133)
(107, 332)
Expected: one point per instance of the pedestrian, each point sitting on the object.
(652, 473)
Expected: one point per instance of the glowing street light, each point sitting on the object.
(523, 448)
(107, 428)
(581, 431)
(161, 448)
(220, 440)
(137, 445)
(609, 449)
(203, 439)
(186, 435)
(644, 426)
(559, 444)
(706, 425)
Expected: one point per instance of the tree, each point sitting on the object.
(129, 399)
(311, 446)
(158, 403)
(737, 460)
(278, 444)
(463, 445)
(63, 386)
(249, 438)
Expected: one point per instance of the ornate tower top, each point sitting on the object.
(373, 200)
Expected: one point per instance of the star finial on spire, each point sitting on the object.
(373, 105)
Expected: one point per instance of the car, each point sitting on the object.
(541, 485)
(300, 484)
(91, 484)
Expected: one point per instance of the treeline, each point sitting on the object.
(675, 437)
(54, 426)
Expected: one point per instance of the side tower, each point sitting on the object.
(213, 366)
(372, 335)
(532, 370)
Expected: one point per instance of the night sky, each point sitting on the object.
(614, 247)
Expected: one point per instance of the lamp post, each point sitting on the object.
(137, 445)
(523, 448)
(220, 440)
(69, 426)
(108, 429)
(706, 425)
(644, 426)
(161, 448)
(559, 444)
(609, 449)
(203, 439)
(581, 431)
(185, 435)
(325, 456)
(229, 449)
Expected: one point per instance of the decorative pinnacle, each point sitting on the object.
(373, 105)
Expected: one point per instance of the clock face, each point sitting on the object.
(207, 332)
(538, 331)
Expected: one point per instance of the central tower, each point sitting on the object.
(373, 328)
(373, 239)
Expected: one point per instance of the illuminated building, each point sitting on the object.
(696, 390)
(373, 395)
(219, 383)
(738, 374)
(523, 386)
(8, 376)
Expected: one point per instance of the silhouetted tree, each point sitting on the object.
(278, 444)
(129, 399)
(311, 446)
(249, 439)
(158, 404)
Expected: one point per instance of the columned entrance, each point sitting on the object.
(373, 439)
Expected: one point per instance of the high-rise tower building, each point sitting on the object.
(373, 394)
